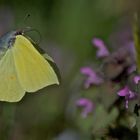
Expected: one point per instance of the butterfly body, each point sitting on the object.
(6, 39)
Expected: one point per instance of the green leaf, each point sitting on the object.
(103, 119)
(136, 29)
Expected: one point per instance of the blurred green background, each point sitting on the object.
(67, 28)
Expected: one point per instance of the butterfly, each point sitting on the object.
(22, 67)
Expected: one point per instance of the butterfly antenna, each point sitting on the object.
(29, 29)
(23, 23)
(26, 17)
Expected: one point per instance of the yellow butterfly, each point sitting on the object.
(22, 67)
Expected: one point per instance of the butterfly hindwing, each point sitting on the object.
(10, 88)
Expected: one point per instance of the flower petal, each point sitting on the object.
(132, 94)
(87, 71)
(126, 104)
(92, 77)
(136, 79)
(102, 50)
(87, 105)
(124, 91)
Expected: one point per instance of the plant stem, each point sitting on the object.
(138, 127)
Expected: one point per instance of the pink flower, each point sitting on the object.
(87, 106)
(92, 77)
(102, 50)
(128, 94)
(136, 79)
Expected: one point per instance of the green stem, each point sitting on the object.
(138, 127)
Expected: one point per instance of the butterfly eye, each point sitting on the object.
(19, 32)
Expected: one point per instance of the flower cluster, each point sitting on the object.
(117, 67)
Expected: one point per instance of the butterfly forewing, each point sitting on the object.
(34, 72)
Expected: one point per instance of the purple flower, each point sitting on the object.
(102, 50)
(131, 69)
(87, 105)
(128, 94)
(92, 77)
(136, 79)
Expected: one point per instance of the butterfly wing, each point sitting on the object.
(34, 72)
(40, 50)
(10, 88)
